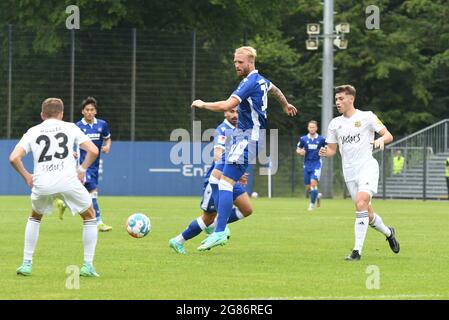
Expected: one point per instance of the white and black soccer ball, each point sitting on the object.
(254, 195)
(138, 225)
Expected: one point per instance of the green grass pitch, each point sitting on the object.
(281, 252)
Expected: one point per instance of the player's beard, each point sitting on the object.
(243, 72)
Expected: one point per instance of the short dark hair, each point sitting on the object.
(346, 88)
(51, 107)
(87, 101)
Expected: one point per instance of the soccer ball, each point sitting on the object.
(254, 194)
(138, 225)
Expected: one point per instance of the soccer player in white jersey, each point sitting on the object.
(55, 175)
(354, 133)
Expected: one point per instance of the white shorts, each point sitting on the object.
(366, 181)
(78, 200)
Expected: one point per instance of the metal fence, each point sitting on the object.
(422, 175)
(144, 82)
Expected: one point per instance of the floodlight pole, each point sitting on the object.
(327, 99)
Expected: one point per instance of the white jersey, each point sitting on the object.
(354, 136)
(52, 143)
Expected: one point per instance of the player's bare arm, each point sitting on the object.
(301, 151)
(218, 152)
(329, 150)
(279, 96)
(218, 106)
(107, 145)
(385, 138)
(16, 161)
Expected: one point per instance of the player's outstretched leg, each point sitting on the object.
(388, 232)
(193, 229)
(392, 241)
(219, 237)
(175, 245)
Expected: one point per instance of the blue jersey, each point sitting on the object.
(312, 147)
(223, 130)
(97, 132)
(252, 95)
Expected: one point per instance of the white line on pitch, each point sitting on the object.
(393, 296)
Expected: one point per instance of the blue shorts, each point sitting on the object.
(91, 180)
(312, 172)
(241, 154)
(207, 203)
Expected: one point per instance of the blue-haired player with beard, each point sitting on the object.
(98, 131)
(251, 99)
(207, 221)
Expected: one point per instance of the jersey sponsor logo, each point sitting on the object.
(53, 167)
(350, 139)
(94, 136)
(312, 146)
(358, 124)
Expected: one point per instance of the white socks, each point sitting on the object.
(90, 236)
(378, 224)
(360, 228)
(31, 236)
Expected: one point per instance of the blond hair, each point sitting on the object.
(51, 107)
(250, 52)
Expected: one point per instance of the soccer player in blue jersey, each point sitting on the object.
(309, 147)
(98, 131)
(251, 99)
(241, 200)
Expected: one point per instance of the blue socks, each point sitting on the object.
(235, 215)
(225, 205)
(193, 229)
(313, 195)
(96, 208)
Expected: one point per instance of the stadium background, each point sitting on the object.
(181, 60)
